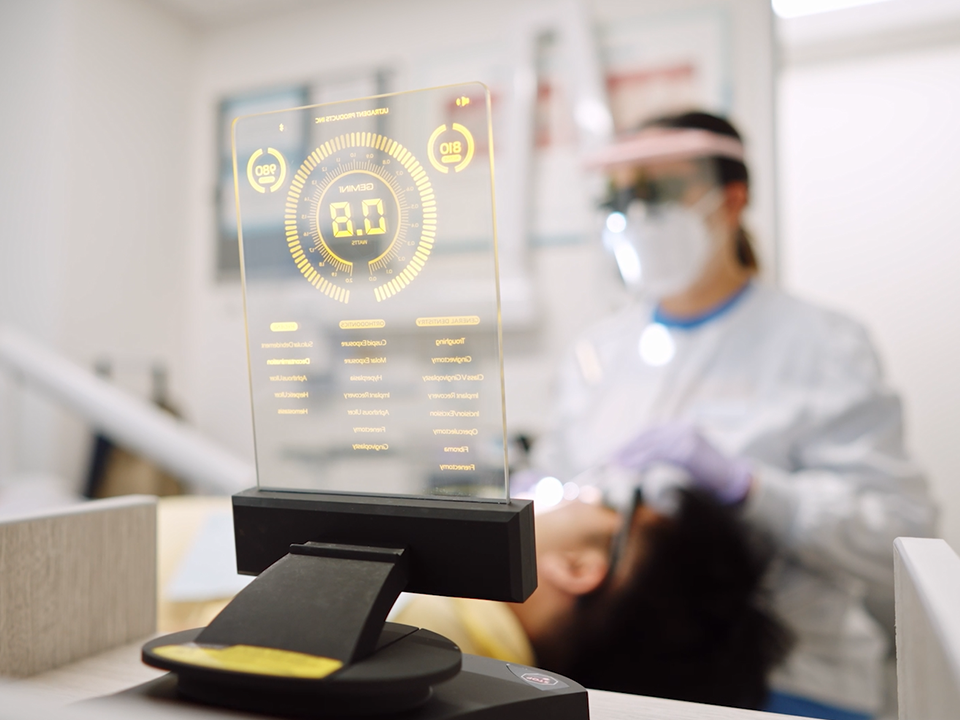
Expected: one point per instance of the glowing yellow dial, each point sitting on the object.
(361, 217)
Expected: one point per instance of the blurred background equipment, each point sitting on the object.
(140, 426)
(115, 471)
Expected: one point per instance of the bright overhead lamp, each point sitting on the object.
(798, 8)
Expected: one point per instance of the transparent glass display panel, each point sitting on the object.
(370, 281)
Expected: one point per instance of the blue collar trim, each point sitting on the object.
(688, 323)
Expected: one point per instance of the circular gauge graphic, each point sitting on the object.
(361, 217)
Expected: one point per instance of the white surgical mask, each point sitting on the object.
(662, 249)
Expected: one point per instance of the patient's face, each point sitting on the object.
(584, 527)
(574, 526)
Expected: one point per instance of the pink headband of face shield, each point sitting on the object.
(659, 144)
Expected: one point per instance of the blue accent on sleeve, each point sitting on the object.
(779, 702)
(688, 323)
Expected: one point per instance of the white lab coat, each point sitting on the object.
(798, 391)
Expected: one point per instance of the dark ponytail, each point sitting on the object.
(745, 254)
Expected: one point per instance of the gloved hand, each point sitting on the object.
(682, 445)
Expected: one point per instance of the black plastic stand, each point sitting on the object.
(325, 601)
(321, 599)
(328, 602)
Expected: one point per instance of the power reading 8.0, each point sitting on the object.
(341, 217)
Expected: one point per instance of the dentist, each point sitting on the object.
(773, 405)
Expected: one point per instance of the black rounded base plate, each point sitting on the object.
(399, 675)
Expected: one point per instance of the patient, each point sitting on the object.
(669, 605)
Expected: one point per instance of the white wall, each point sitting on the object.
(92, 213)
(870, 171)
(33, 140)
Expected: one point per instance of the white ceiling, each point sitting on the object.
(812, 37)
(209, 14)
(881, 26)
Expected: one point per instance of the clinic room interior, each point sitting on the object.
(722, 296)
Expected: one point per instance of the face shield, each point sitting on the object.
(662, 239)
(662, 196)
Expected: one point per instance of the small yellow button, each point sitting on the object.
(284, 326)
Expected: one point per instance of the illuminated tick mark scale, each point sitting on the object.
(361, 216)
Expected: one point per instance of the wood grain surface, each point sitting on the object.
(75, 582)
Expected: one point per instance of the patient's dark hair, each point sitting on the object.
(692, 621)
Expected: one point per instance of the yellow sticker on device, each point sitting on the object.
(252, 659)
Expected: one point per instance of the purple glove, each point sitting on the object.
(682, 445)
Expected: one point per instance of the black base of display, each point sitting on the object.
(398, 675)
(484, 689)
(457, 548)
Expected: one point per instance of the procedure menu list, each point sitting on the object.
(366, 361)
(453, 388)
(287, 372)
(445, 413)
